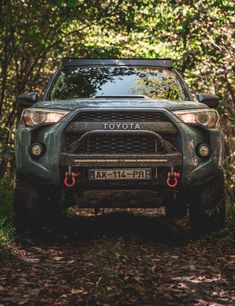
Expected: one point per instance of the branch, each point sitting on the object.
(43, 52)
(230, 88)
(222, 48)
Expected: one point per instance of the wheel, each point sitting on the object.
(175, 205)
(207, 206)
(34, 206)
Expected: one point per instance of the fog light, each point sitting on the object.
(203, 150)
(36, 149)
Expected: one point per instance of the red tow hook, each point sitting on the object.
(70, 176)
(175, 177)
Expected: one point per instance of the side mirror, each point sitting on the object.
(27, 99)
(210, 100)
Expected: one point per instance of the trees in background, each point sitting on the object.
(35, 35)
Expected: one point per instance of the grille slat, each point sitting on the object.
(121, 116)
(120, 144)
(107, 144)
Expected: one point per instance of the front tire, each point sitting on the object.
(175, 205)
(207, 206)
(33, 205)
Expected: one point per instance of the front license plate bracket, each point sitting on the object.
(120, 174)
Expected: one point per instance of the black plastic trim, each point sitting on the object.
(68, 62)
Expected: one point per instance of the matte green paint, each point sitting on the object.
(45, 170)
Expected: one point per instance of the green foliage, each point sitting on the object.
(6, 235)
(6, 229)
(231, 216)
(6, 145)
(6, 197)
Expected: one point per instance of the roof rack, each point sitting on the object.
(70, 62)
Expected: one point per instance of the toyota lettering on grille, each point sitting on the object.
(121, 126)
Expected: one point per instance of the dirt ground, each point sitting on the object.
(121, 257)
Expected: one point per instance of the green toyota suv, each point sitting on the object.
(119, 124)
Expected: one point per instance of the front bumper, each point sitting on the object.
(159, 165)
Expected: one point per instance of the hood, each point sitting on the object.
(119, 103)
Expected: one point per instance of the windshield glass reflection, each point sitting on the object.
(87, 82)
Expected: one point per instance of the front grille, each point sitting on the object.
(121, 144)
(171, 138)
(107, 144)
(120, 116)
(118, 143)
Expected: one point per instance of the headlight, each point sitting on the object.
(35, 116)
(206, 118)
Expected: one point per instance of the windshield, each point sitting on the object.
(96, 81)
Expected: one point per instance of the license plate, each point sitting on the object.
(119, 174)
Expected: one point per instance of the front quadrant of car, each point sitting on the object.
(118, 124)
